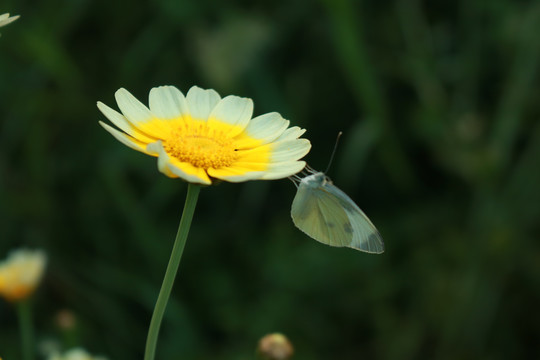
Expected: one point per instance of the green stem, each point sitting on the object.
(172, 268)
(27, 331)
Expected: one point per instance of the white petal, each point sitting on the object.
(5, 19)
(283, 170)
(234, 111)
(265, 128)
(119, 120)
(201, 102)
(190, 173)
(288, 150)
(290, 134)
(163, 158)
(133, 109)
(167, 102)
(126, 139)
(235, 173)
(155, 148)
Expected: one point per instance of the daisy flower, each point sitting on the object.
(201, 137)
(20, 273)
(5, 19)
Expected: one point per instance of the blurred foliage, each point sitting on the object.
(439, 106)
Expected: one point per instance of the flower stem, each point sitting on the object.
(26, 329)
(172, 268)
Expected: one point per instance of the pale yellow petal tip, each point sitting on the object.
(21, 272)
(201, 137)
(102, 107)
(197, 88)
(121, 91)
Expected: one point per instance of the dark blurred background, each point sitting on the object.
(438, 102)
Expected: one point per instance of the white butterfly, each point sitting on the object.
(328, 215)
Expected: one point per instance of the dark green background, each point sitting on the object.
(438, 102)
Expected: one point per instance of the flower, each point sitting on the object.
(21, 273)
(275, 346)
(5, 19)
(75, 354)
(200, 137)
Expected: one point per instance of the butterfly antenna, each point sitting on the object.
(333, 152)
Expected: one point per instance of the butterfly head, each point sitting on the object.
(317, 179)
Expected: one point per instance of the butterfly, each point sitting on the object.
(325, 213)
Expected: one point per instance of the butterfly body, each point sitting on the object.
(328, 215)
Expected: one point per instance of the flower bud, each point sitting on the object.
(275, 347)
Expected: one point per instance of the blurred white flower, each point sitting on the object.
(75, 354)
(20, 273)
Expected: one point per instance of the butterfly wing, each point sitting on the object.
(320, 215)
(365, 237)
(328, 215)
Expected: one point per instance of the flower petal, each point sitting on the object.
(235, 173)
(189, 172)
(290, 150)
(173, 168)
(139, 115)
(283, 151)
(231, 115)
(163, 159)
(271, 161)
(283, 170)
(201, 102)
(133, 109)
(5, 19)
(123, 124)
(291, 133)
(261, 130)
(126, 139)
(167, 102)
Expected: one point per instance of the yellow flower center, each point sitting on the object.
(201, 146)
